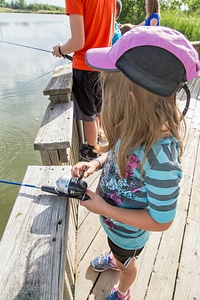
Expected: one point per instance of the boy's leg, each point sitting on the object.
(91, 132)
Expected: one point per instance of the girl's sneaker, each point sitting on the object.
(115, 295)
(103, 262)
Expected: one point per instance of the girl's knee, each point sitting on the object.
(131, 266)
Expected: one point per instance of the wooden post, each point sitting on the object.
(39, 241)
(59, 87)
(196, 45)
(59, 136)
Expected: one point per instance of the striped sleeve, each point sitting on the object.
(162, 185)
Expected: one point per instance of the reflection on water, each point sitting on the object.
(24, 74)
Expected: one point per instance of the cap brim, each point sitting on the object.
(99, 59)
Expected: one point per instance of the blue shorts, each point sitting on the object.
(86, 94)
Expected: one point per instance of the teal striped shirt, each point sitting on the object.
(157, 191)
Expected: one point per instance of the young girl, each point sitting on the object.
(152, 18)
(139, 185)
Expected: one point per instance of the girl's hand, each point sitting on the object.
(88, 167)
(95, 204)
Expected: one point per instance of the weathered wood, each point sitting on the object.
(55, 131)
(59, 87)
(59, 90)
(34, 244)
(57, 138)
(188, 278)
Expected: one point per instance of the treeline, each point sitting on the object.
(21, 5)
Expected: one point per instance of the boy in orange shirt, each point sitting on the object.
(92, 26)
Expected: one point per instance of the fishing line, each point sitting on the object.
(35, 48)
(38, 77)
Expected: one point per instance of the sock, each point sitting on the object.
(121, 293)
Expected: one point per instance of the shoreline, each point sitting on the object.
(28, 11)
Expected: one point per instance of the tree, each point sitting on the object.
(193, 6)
(133, 11)
(21, 4)
(2, 3)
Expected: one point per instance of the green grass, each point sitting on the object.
(188, 25)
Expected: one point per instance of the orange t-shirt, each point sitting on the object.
(99, 18)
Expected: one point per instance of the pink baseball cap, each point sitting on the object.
(157, 58)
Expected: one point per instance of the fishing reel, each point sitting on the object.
(68, 186)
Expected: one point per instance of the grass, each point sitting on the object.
(188, 25)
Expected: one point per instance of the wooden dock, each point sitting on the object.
(169, 266)
(49, 241)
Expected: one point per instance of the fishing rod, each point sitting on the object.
(35, 48)
(66, 186)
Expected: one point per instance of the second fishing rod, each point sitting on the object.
(69, 57)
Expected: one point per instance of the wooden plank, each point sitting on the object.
(86, 234)
(90, 225)
(92, 182)
(33, 246)
(85, 276)
(187, 285)
(56, 128)
(61, 81)
(194, 208)
(145, 265)
(167, 261)
(196, 119)
(50, 157)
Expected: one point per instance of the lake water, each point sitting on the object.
(24, 74)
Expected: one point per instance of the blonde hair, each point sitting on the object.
(153, 7)
(136, 122)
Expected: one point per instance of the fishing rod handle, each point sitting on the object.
(68, 57)
(64, 55)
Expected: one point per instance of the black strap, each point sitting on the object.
(185, 87)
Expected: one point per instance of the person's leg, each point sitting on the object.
(86, 95)
(127, 275)
(126, 262)
(91, 132)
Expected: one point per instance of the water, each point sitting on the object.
(22, 103)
